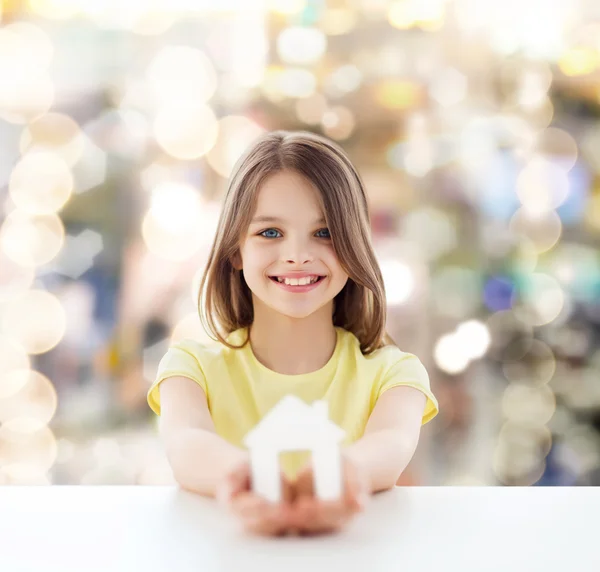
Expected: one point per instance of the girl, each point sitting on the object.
(294, 296)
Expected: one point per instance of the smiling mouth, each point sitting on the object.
(275, 279)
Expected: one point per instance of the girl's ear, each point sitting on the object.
(236, 261)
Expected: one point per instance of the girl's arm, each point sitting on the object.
(390, 438)
(199, 458)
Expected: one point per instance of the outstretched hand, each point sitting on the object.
(256, 514)
(300, 510)
(312, 515)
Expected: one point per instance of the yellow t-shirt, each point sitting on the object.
(240, 390)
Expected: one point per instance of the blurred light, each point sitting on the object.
(338, 21)
(249, 50)
(236, 133)
(177, 243)
(186, 130)
(54, 132)
(528, 406)
(577, 268)
(338, 122)
(579, 61)
(36, 450)
(474, 337)
(175, 206)
(41, 183)
(26, 52)
(592, 214)
(14, 278)
(310, 109)
(450, 354)
(431, 229)
(542, 186)
(498, 293)
(31, 241)
(55, 9)
(533, 439)
(36, 320)
(154, 18)
(181, 73)
(455, 291)
(30, 408)
(558, 146)
(511, 337)
(24, 475)
(543, 230)
(449, 87)
(427, 14)
(295, 82)
(343, 80)
(14, 367)
(301, 45)
(398, 94)
(189, 327)
(536, 367)
(534, 86)
(398, 280)
(542, 299)
(286, 7)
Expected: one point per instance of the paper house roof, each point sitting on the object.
(294, 425)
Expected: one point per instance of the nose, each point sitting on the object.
(297, 251)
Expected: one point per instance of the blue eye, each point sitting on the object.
(327, 231)
(268, 230)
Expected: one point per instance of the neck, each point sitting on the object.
(293, 346)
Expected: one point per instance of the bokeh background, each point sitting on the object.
(475, 125)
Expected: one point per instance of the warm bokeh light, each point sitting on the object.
(543, 229)
(398, 279)
(41, 183)
(301, 45)
(55, 132)
(14, 367)
(450, 354)
(35, 450)
(179, 232)
(31, 407)
(36, 320)
(236, 133)
(26, 52)
(186, 130)
(536, 367)
(338, 122)
(542, 299)
(528, 406)
(31, 240)
(14, 278)
(181, 74)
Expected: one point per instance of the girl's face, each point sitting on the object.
(287, 236)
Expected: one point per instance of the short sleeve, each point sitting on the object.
(409, 371)
(181, 359)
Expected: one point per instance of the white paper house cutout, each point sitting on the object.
(293, 425)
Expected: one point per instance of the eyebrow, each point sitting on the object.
(267, 218)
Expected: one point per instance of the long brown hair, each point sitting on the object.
(360, 307)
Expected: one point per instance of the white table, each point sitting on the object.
(165, 529)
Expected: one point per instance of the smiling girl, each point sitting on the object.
(294, 297)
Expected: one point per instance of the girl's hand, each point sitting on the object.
(314, 516)
(257, 515)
